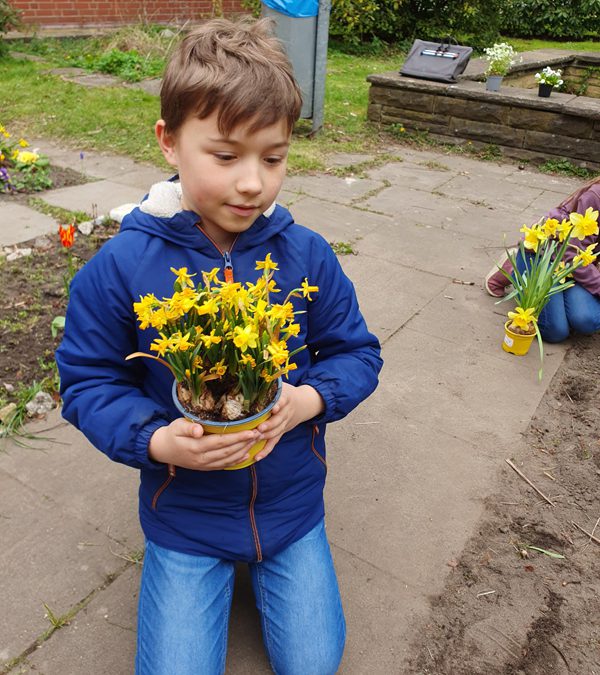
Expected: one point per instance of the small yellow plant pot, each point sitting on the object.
(515, 343)
(212, 427)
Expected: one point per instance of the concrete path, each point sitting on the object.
(409, 470)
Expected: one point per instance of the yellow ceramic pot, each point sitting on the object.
(515, 343)
(212, 427)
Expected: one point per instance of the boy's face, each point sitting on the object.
(227, 180)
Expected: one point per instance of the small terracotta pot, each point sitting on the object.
(515, 343)
(212, 427)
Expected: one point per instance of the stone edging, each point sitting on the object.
(516, 119)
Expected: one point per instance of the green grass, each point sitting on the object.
(120, 120)
(523, 45)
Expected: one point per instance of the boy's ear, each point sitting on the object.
(166, 142)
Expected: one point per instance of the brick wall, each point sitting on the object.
(93, 13)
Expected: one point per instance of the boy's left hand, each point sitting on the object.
(295, 405)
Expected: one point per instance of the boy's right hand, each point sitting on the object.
(184, 443)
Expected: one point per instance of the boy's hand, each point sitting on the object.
(295, 405)
(185, 444)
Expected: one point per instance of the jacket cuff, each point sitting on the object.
(143, 440)
(325, 390)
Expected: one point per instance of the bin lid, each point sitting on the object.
(300, 9)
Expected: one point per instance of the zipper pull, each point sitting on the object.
(228, 268)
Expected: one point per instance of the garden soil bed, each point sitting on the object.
(508, 609)
(32, 295)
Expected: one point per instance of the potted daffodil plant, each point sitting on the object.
(226, 344)
(544, 274)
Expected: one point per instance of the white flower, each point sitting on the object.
(500, 57)
(549, 76)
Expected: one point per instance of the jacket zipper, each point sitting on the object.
(227, 264)
(252, 518)
(164, 486)
(315, 431)
(228, 274)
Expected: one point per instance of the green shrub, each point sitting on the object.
(9, 18)
(572, 19)
(473, 22)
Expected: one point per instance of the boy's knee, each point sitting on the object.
(313, 659)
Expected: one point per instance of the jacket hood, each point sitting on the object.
(160, 215)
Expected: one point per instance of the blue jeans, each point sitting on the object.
(185, 601)
(574, 310)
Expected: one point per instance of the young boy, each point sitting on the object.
(228, 105)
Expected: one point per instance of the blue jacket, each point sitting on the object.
(246, 514)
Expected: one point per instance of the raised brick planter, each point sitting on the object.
(515, 119)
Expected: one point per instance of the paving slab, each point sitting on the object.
(431, 249)
(373, 481)
(331, 188)
(70, 473)
(410, 289)
(515, 196)
(336, 222)
(468, 393)
(19, 223)
(48, 556)
(93, 164)
(454, 214)
(412, 176)
(101, 196)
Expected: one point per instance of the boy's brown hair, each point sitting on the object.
(235, 68)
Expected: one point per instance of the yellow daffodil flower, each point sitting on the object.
(181, 343)
(212, 339)
(549, 227)
(522, 318)
(161, 345)
(584, 225)
(219, 368)
(244, 338)
(307, 290)
(159, 319)
(292, 330)
(23, 143)
(267, 264)
(533, 236)
(211, 306)
(248, 360)
(278, 351)
(586, 257)
(183, 278)
(282, 312)
(228, 293)
(211, 276)
(563, 230)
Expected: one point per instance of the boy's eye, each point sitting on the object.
(273, 160)
(224, 156)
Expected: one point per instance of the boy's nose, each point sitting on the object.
(249, 181)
